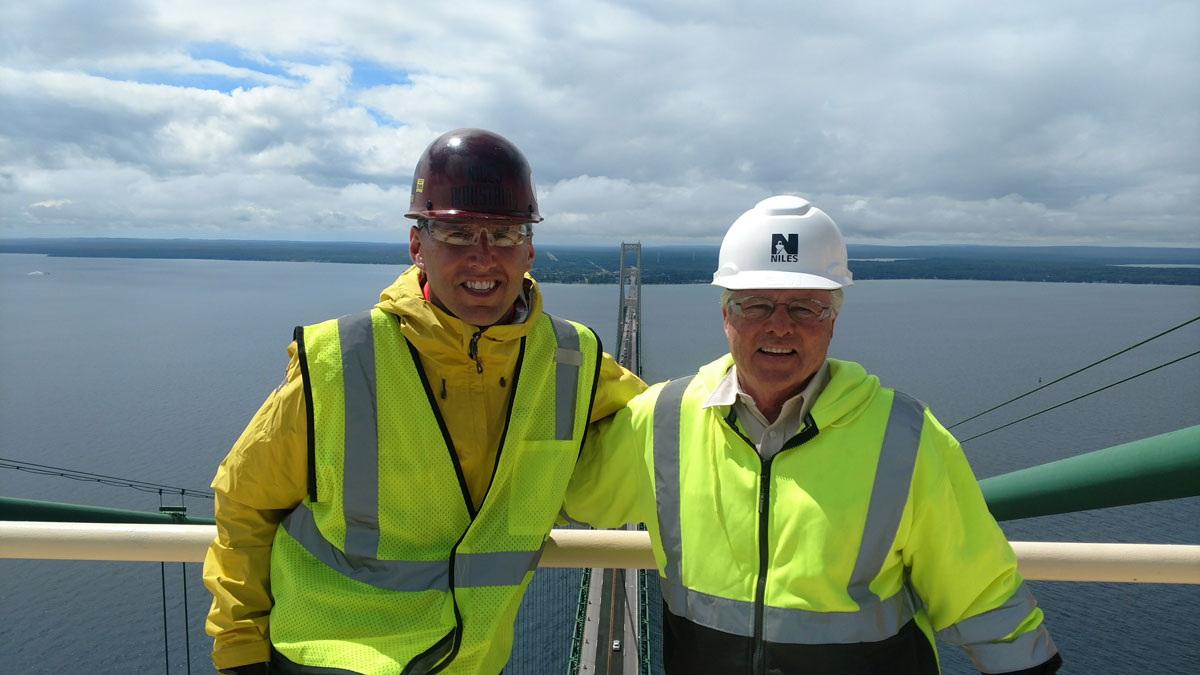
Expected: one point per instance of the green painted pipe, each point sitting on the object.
(1152, 469)
(12, 508)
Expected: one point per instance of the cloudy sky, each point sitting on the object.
(930, 121)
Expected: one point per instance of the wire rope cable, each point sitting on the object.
(637, 639)
(116, 481)
(162, 566)
(1111, 356)
(187, 634)
(1094, 391)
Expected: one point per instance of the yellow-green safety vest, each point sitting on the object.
(386, 567)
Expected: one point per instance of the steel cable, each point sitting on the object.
(1071, 374)
(115, 481)
(1144, 372)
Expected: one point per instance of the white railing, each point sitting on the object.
(622, 549)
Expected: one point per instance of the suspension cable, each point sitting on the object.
(1144, 372)
(1074, 373)
(637, 638)
(162, 568)
(187, 633)
(144, 486)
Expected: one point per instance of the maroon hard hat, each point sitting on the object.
(473, 174)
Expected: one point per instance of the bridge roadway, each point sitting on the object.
(612, 611)
(611, 615)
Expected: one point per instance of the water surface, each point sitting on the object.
(149, 369)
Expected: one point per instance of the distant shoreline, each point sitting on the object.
(681, 264)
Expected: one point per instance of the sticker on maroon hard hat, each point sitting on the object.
(482, 197)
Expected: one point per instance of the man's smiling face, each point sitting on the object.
(777, 356)
(477, 283)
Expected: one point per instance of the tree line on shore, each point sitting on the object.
(689, 264)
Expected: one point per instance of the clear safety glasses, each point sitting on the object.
(466, 234)
(756, 308)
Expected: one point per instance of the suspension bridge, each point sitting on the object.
(615, 612)
(617, 601)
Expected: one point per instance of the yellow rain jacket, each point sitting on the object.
(265, 475)
(843, 553)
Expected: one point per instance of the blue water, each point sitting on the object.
(149, 369)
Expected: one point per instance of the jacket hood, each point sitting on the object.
(849, 392)
(433, 331)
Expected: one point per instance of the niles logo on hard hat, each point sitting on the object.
(785, 248)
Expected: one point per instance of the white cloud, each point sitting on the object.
(929, 122)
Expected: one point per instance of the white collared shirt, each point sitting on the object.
(768, 438)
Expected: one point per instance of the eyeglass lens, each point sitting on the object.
(759, 309)
(467, 235)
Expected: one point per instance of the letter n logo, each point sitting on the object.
(781, 244)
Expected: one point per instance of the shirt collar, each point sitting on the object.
(728, 392)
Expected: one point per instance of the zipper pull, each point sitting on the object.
(473, 350)
(764, 487)
(443, 389)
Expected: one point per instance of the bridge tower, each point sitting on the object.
(615, 605)
(629, 313)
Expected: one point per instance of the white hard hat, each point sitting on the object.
(783, 242)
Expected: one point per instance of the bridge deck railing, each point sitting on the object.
(622, 549)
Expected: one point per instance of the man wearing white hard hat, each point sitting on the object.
(804, 518)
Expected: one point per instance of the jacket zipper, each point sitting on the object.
(758, 655)
(471, 511)
(473, 349)
(760, 592)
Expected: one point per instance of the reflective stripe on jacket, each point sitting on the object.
(389, 567)
(845, 552)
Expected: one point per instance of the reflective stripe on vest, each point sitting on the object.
(567, 362)
(875, 619)
(360, 494)
(471, 570)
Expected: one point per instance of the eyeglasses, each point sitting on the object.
(462, 234)
(756, 308)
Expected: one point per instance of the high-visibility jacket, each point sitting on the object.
(265, 475)
(386, 566)
(843, 553)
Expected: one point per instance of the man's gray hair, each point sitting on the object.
(836, 298)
